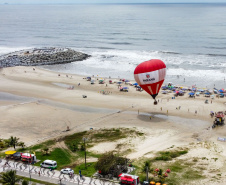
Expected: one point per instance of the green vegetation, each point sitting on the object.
(109, 135)
(9, 177)
(88, 171)
(76, 147)
(181, 171)
(12, 141)
(73, 139)
(60, 155)
(35, 180)
(25, 182)
(42, 145)
(109, 163)
(169, 155)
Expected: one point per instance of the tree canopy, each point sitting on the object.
(109, 163)
(9, 177)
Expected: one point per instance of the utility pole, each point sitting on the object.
(84, 139)
(30, 164)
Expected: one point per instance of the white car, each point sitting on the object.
(67, 171)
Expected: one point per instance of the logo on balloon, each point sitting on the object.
(149, 79)
(147, 75)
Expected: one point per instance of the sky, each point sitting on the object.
(105, 1)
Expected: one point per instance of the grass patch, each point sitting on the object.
(74, 138)
(61, 156)
(109, 135)
(169, 155)
(177, 167)
(36, 181)
(97, 136)
(192, 175)
(37, 147)
(88, 171)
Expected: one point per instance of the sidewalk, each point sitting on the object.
(49, 176)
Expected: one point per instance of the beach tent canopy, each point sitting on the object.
(135, 84)
(17, 154)
(10, 152)
(127, 81)
(191, 93)
(27, 155)
(201, 90)
(164, 92)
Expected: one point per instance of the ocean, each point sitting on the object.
(189, 38)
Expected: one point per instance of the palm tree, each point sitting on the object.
(9, 177)
(13, 141)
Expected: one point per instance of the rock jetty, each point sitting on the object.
(41, 56)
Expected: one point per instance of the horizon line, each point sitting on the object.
(109, 3)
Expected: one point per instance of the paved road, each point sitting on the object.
(49, 176)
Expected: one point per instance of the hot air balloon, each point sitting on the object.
(150, 76)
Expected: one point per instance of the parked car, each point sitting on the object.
(67, 171)
(49, 164)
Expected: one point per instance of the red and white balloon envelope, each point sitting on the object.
(150, 76)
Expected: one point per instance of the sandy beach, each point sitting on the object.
(37, 105)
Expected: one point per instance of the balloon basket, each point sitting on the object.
(155, 102)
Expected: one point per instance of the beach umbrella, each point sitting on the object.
(127, 81)
(150, 76)
(192, 93)
(10, 152)
(135, 84)
(221, 91)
